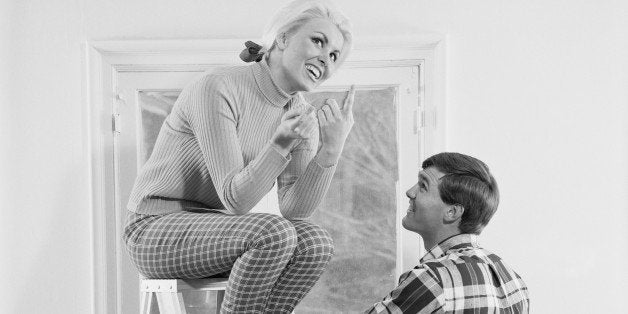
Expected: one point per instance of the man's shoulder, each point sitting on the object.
(470, 265)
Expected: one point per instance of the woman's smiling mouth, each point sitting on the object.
(314, 72)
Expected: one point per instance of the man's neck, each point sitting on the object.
(432, 239)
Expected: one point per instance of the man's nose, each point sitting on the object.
(411, 193)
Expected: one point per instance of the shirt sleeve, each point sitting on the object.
(419, 291)
(213, 116)
(303, 184)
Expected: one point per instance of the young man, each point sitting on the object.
(454, 199)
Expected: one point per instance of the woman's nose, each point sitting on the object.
(323, 59)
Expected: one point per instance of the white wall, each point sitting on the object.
(537, 89)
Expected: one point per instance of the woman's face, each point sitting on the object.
(310, 55)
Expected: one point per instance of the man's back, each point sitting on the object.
(458, 275)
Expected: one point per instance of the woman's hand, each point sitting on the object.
(296, 124)
(335, 124)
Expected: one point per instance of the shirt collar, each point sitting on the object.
(267, 85)
(457, 242)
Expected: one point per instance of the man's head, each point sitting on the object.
(454, 192)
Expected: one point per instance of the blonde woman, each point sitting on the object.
(231, 135)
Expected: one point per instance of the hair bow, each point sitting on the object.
(252, 52)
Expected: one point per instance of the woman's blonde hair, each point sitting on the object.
(299, 12)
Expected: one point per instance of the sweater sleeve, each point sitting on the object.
(303, 184)
(213, 115)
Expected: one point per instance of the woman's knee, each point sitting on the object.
(274, 231)
(313, 240)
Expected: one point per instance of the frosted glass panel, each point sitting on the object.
(359, 210)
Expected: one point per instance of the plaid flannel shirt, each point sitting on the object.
(457, 276)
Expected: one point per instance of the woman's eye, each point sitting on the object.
(318, 42)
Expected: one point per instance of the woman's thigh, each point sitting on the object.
(196, 245)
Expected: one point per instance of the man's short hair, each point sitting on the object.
(467, 181)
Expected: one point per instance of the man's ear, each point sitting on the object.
(282, 41)
(454, 213)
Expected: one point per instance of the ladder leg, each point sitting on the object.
(220, 295)
(171, 302)
(180, 303)
(146, 302)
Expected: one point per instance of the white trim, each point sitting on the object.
(104, 59)
(101, 175)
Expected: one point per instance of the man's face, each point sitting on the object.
(426, 211)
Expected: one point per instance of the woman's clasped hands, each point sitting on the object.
(333, 123)
(296, 124)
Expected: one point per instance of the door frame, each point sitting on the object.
(105, 59)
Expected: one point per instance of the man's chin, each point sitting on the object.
(405, 224)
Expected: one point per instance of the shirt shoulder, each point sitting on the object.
(475, 273)
(474, 266)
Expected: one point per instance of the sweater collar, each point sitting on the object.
(457, 242)
(267, 85)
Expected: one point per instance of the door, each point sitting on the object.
(363, 207)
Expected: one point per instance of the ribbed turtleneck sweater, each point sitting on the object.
(213, 150)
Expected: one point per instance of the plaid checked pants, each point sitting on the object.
(273, 262)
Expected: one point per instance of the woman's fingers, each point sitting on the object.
(298, 113)
(328, 112)
(348, 104)
(322, 119)
(295, 124)
(331, 106)
(298, 116)
(292, 113)
(301, 122)
(305, 124)
(335, 122)
(306, 113)
(309, 109)
(335, 109)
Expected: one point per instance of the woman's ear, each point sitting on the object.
(282, 41)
